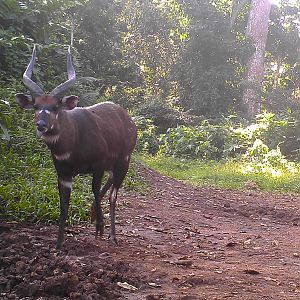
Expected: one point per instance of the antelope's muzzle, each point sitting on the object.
(41, 126)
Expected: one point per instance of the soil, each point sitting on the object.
(177, 242)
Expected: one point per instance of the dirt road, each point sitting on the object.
(177, 242)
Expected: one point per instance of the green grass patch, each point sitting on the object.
(224, 174)
(28, 189)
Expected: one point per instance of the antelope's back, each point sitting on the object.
(115, 125)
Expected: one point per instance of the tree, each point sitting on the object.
(257, 30)
(210, 69)
(283, 58)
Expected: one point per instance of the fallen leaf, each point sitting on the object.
(251, 272)
(247, 242)
(127, 286)
(184, 262)
(153, 284)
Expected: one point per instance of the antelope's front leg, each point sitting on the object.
(65, 187)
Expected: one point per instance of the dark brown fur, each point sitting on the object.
(88, 140)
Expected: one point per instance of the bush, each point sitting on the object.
(162, 114)
(188, 142)
(272, 130)
(147, 141)
(261, 159)
(230, 139)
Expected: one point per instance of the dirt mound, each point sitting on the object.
(30, 267)
(178, 242)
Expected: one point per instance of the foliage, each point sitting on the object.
(152, 41)
(258, 145)
(184, 141)
(3, 121)
(162, 114)
(210, 70)
(273, 130)
(282, 60)
(261, 159)
(147, 141)
(138, 51)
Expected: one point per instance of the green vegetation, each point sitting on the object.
(28, 189)
(229, 154)
(178, 67)
(225, 174)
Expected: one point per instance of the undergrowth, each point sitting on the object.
(224, 174)
(28, 190)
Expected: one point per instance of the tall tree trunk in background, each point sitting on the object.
(257, 30)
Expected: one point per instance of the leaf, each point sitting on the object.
(237, 6)
(153, 284)
(127, 286)
(5, 102)
(5, 135)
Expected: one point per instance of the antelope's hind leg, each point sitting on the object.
(119, 176)
(112, 213)
(96, 209)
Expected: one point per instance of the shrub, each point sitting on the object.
(261, 159)
(269, 128)
(162, 114)
(147, 141)
(189, 142)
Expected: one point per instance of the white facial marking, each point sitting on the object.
(56, 117)
(63, 156)
(65, 183)
(50, 139)
(52, 126)
(127, 158)
(44, 110)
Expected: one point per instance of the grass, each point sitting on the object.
(28, 189)
(224, 174)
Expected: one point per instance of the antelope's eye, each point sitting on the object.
(35, 106)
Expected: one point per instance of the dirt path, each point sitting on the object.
(178, 242)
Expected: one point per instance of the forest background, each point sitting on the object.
(181, 68)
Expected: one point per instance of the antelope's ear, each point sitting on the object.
(25, 101)
(69, 102)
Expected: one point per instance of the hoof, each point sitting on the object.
(113, 240)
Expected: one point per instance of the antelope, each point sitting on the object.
(82, 140)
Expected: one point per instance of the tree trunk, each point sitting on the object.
(257, 30)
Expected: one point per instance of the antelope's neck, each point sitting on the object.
(60, 139)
